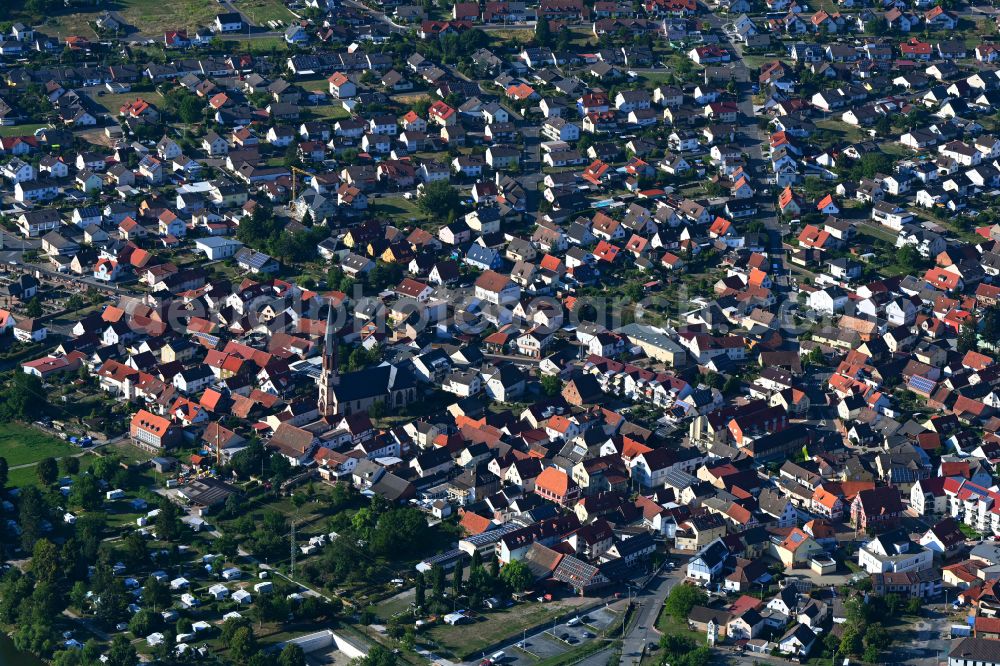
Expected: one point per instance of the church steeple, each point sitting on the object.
(330, 346)
(330, 377)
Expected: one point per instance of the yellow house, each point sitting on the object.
(177, 350)
(796, 549)
(397, 253)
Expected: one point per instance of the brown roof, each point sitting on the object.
(492, 281)
(291, 438)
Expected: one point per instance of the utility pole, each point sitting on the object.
(292, 546)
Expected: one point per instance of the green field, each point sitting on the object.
(396, 206)
(23, 445)
(262, 11)
(150, 17)
(846, 132)
(28, 476)
(21, 130)
(266, 44)
(329, 111)
(651, 80)
(317, 83)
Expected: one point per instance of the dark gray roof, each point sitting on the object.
(976, 649)
(373, 382)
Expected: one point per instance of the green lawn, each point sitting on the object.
(21, 478)
(876, 232)
(830, 6)
(318, 83)
(653, 79)
(23, 445)
(581, 36)
(113, 102)
(21, 130)
(667, 624)
(129, 453)
(969, 532)
(846, 132)
(755, 60)
(525, 36)
(329, 111)
(396, 206)
(28, 476)
(262, 11)
(265, 44)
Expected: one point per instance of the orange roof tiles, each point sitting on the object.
(553, 480)
(472, 523)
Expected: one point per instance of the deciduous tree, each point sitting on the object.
(516, 575)
(121, 652)
(168, 524)
(456, 578)
(85, 492)
(543, 32)
(439, 200)
(551, 385)
(45, 562)
(682, 599)
(420, 590)
(242, 645)
(292, 655)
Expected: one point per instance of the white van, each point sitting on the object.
(572, 622)
(498, 657)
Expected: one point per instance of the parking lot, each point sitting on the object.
(559, 638)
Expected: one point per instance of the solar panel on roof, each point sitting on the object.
(440, 558)
(212, 340)
(921, 383)
(572, 569)
(256, 259)
(492, 536)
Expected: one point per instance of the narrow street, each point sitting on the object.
(649, 602)
(753, 140)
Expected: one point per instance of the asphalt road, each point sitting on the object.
(649, 601)
(12, 242)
